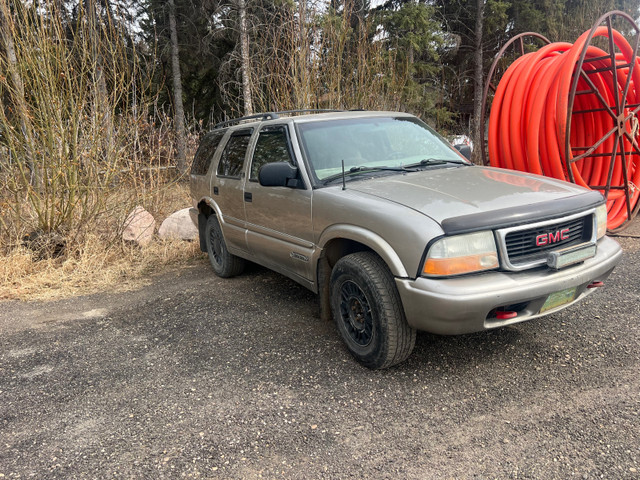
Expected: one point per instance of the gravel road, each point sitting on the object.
(195, 376)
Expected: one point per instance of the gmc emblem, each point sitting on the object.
(549, 238)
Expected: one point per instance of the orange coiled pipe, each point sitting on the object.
(530, 119)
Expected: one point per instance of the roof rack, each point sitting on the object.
(271, 116)
(260, 116)
(309, 110)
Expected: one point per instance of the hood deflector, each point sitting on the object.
(514, 216)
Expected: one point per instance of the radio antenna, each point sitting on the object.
(344, 183)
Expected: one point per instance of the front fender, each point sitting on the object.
(366, 237)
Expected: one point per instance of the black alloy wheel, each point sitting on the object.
(368, 312)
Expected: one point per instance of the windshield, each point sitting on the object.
(366, 144)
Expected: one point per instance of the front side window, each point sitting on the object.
(380, 142)
(272, 146)
(232, 158)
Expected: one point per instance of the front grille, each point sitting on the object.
(522, 245)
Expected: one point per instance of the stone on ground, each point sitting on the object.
(178, 225)
(139, 227)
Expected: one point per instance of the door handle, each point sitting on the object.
(248, 197)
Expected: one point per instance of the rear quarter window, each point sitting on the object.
(205, 153)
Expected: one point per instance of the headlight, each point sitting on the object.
(472, 252)
(601, 220)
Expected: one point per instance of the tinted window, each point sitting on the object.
(272, 146)
(232, 158)
(205, 153)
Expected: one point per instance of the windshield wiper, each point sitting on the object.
(363, 169)
(377, 169)
(435, 161)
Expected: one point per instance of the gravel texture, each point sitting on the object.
(200, 377)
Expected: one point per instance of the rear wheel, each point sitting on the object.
(368, 311)
(224, 264)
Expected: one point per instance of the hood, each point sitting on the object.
(490, 193)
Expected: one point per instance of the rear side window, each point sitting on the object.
(205, 153)
(272, 146)
(232, 158)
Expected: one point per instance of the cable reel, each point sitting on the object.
(570, 111)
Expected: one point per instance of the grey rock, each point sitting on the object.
(178, 225)
(139, 227)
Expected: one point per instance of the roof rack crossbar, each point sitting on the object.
(272, 116)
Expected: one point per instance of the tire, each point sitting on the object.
(368, 312)
(224, 264)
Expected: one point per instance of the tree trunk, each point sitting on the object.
(303, 99)
(102, 108)
(478, 134)
(244, 54)
(17, 97)
(178, 118)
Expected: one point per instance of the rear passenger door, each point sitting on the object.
(279, 232)
(227, 189)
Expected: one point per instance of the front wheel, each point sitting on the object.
(224, 264)
(368, 311)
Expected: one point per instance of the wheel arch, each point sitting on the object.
(341, 240)
(206, 208)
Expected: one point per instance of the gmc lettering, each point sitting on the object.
(549, 238)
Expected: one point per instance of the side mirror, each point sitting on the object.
(465, 150)
(278, 174)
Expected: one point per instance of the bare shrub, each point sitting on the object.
(79, 137)
(81, 143)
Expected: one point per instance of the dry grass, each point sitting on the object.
(96, 264)
(97, 269)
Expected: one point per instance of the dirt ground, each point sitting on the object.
(195, 376)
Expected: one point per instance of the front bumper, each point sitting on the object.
(451, 306)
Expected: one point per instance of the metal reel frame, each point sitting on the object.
(490, 85)
(617, 113)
